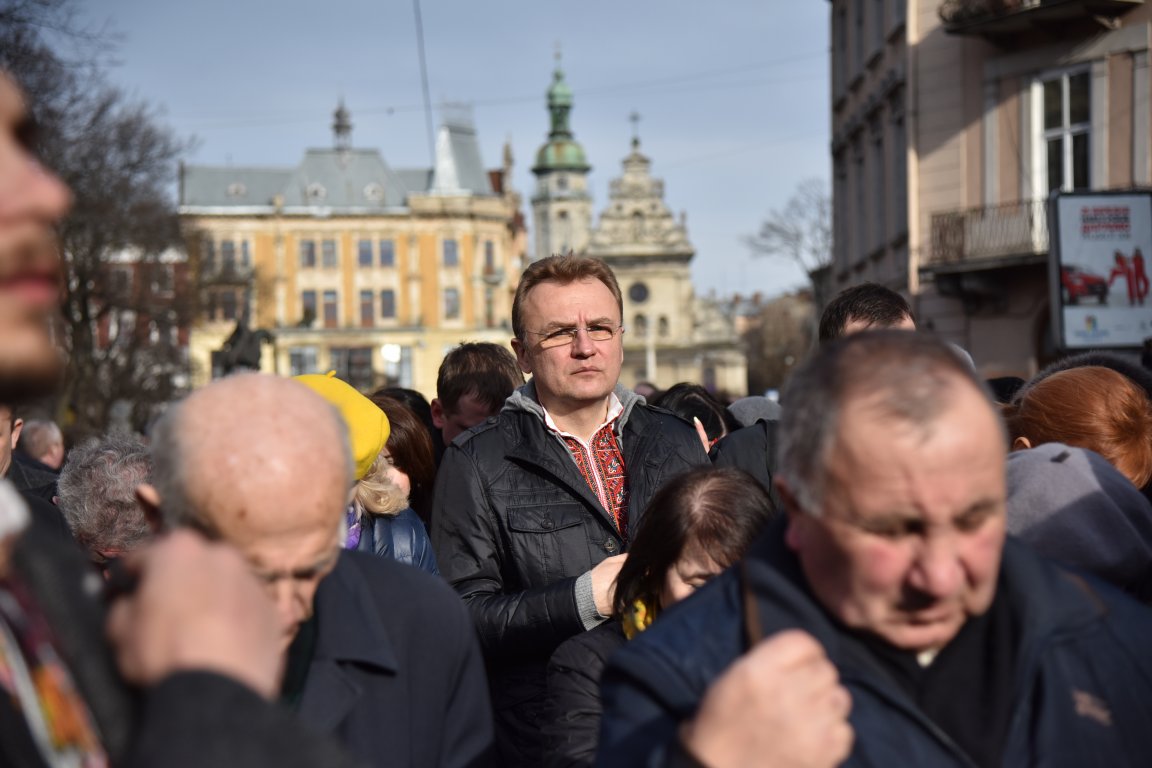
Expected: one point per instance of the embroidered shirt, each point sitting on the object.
(601, 463)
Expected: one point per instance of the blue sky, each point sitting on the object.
(732, 95)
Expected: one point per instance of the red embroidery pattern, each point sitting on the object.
(603, 470)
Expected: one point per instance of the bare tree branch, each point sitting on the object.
(120, 163)
(801, 232)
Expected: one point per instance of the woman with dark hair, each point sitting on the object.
(693, 402)
(696, 525)
(384, 522)
(410, 450)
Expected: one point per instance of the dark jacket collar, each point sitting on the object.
(350, 627)
(351, 642)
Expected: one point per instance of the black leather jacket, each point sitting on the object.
(515, 525)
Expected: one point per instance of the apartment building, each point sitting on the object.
(952, 123)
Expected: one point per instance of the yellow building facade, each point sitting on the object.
(351, 265)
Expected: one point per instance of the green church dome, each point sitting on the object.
(562, 152)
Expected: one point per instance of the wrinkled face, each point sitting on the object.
(469, 412)
(690, 572)
(290, 564)
(580, 374)
(912, 527)
(288, 523)
(31, 202)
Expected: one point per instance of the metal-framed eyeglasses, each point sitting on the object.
(562, 337)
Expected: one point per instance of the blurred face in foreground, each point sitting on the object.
(32, 201)
(272, 487)
(907, 543)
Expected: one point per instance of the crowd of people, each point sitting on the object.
(898, 564)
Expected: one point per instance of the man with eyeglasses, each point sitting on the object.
(535, 507)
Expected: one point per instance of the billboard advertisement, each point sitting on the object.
(1101, 262)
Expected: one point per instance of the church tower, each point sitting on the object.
(561, 205)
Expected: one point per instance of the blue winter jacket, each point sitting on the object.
(401, 537)
(1082, 694)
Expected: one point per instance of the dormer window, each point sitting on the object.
(316, 192)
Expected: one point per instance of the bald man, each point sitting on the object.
(367, 641)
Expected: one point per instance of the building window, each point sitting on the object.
(367, 311)
(307, 254)
(840, 51)
(860, 212)
(353, 365)
(561, 183)
(120, 282)
(163, 278)
(387, 253)
(307, 308)
(858, 39)
(839, 210)
(245, 256)
(331, 314)
(228, 305)
(364, 253)
(879, 190)
(489, 257)
(388, 304)
(1067, 126)
(451, 254)
(564, 230)
(899, 12)
(878, 25)
(228, 255)
(662, 327)
(397, 365)
(209, 253)
(900, 174)
(328, 254)
(451, 304)
(302, 361)
(640, 323)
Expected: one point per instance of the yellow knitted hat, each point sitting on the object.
(368, 427)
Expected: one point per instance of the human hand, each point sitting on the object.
(604, 583)
(781, 704)
(702, 434)
(197, 606)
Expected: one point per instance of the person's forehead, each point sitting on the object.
(876, 452)
(551, 300)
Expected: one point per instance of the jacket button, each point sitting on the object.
(610, 546)
(546, 522)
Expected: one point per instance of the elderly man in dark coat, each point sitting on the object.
(379, 654)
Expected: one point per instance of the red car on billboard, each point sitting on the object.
(1077, 284)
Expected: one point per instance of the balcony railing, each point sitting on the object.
(985, 236)
(997, 18)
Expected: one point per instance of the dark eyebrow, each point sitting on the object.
(556, 325)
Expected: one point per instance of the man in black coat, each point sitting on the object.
(378, 653)
(534, 509)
